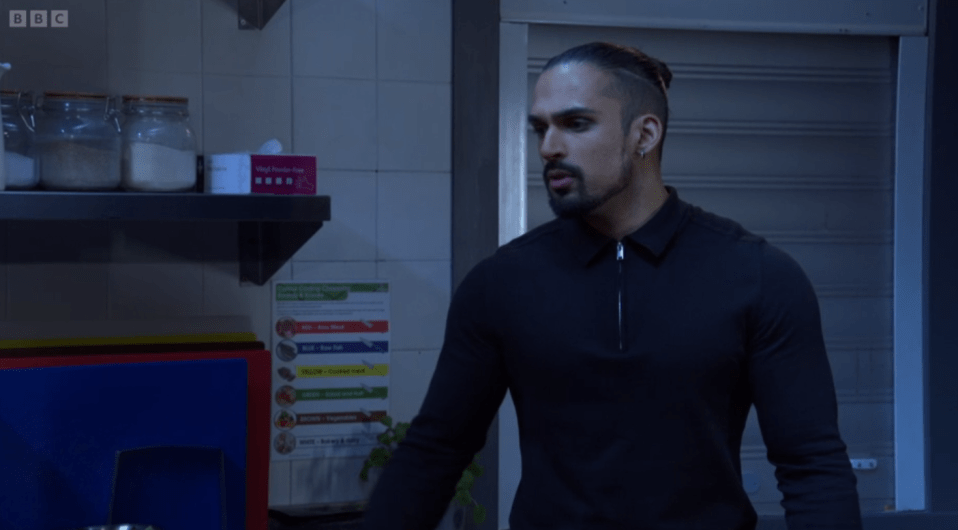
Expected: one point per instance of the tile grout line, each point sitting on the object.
(6, 270)
(292, 77)
(202, 106)
(292, 262)
(110, 269)
(377, 116)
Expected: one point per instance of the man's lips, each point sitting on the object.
(560, 179)
(561, 183)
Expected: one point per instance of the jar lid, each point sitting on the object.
(16, 93)
(16, 97)
(74, 95)
(156, 99)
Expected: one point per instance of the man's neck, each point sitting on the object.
(620, 221)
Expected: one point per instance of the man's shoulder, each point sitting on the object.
(711, 225)
(753, 249)
(544, 235)
(513, 256)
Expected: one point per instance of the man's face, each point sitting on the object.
(580, 139)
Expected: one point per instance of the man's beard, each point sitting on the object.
(576, 202)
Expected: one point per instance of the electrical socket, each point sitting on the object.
(864, 463)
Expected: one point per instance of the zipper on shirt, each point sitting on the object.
(620, 256)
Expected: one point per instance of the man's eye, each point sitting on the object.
(575, 125)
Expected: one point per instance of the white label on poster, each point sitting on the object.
(331, 358)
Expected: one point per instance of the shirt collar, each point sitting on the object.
(654, 235)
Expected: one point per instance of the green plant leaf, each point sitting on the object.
(401, 430)
(474, 466)
(379, 456)
(387, 421)
(384, 438)
(479, 513)
(467, 480)
(463, 497)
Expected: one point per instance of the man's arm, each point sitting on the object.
(465, 393)
(794, 395)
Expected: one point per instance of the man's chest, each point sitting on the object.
(627, 323)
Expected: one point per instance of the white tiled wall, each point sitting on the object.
(57, 291)
(3, 271)
(335, 120)
(420, 292)
(56, 59)
(228, 51)
(350, 237)
(335, 39)
(143, 290)
(415, 126)
(154, 36)
(364, 85)
(401, 193)
(415, 40)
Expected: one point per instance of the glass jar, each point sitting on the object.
(19, 158)
(78, 142)
(159, 145)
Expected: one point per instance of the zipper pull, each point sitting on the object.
(620, 255)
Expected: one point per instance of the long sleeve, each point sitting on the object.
(464, 395)
(794, 394)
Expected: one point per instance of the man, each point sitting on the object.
(635, 332)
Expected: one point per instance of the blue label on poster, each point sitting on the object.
(344, 347)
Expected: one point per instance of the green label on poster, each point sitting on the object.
(341, 393)
(324, 292)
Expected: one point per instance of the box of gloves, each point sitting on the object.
(265, 172)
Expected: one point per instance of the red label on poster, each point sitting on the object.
(362, 326)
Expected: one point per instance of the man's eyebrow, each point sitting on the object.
(574, 111)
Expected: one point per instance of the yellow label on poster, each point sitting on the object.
(342, 370)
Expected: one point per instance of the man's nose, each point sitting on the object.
(550, 147)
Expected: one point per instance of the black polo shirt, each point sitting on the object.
(633, 367)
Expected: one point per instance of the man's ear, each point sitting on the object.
(645, 134)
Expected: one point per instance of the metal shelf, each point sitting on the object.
(271, 227)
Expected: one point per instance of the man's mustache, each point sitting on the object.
(559, 166)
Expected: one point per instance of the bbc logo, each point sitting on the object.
(39, 19)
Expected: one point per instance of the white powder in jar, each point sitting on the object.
(19, 170)
(67, 165)
(153, 167)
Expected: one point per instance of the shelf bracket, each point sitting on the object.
(264, 247)
(254, 14)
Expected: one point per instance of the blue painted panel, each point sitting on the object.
(61, 429)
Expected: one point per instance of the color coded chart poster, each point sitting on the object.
(331, 367)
